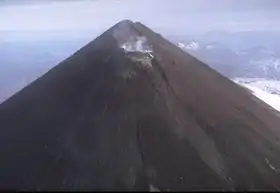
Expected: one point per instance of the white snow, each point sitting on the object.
(266, 90)
(271, 99)
(191, 46)
(181, 45)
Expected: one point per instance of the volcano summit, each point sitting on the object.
(132, 111)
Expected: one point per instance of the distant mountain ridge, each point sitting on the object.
(251, 62)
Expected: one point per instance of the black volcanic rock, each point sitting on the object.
(131, 111)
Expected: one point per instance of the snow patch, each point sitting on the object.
(266, 90)
(181, 45)
(271, 99)
(191, 46)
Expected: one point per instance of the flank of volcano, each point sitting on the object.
(131, 111)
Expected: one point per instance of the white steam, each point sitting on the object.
(142, 53)
(137, 44)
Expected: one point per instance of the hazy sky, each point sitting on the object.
(170, 16)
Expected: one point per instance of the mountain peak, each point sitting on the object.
(130, 38)
(126, 34)
(125, 22)
(123, 30)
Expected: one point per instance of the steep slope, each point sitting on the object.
(131, 111)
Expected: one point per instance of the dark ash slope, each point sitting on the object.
(102, 120)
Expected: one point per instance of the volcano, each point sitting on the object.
(132, 111)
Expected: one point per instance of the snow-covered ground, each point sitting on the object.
(191, 46)
(266, 90)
